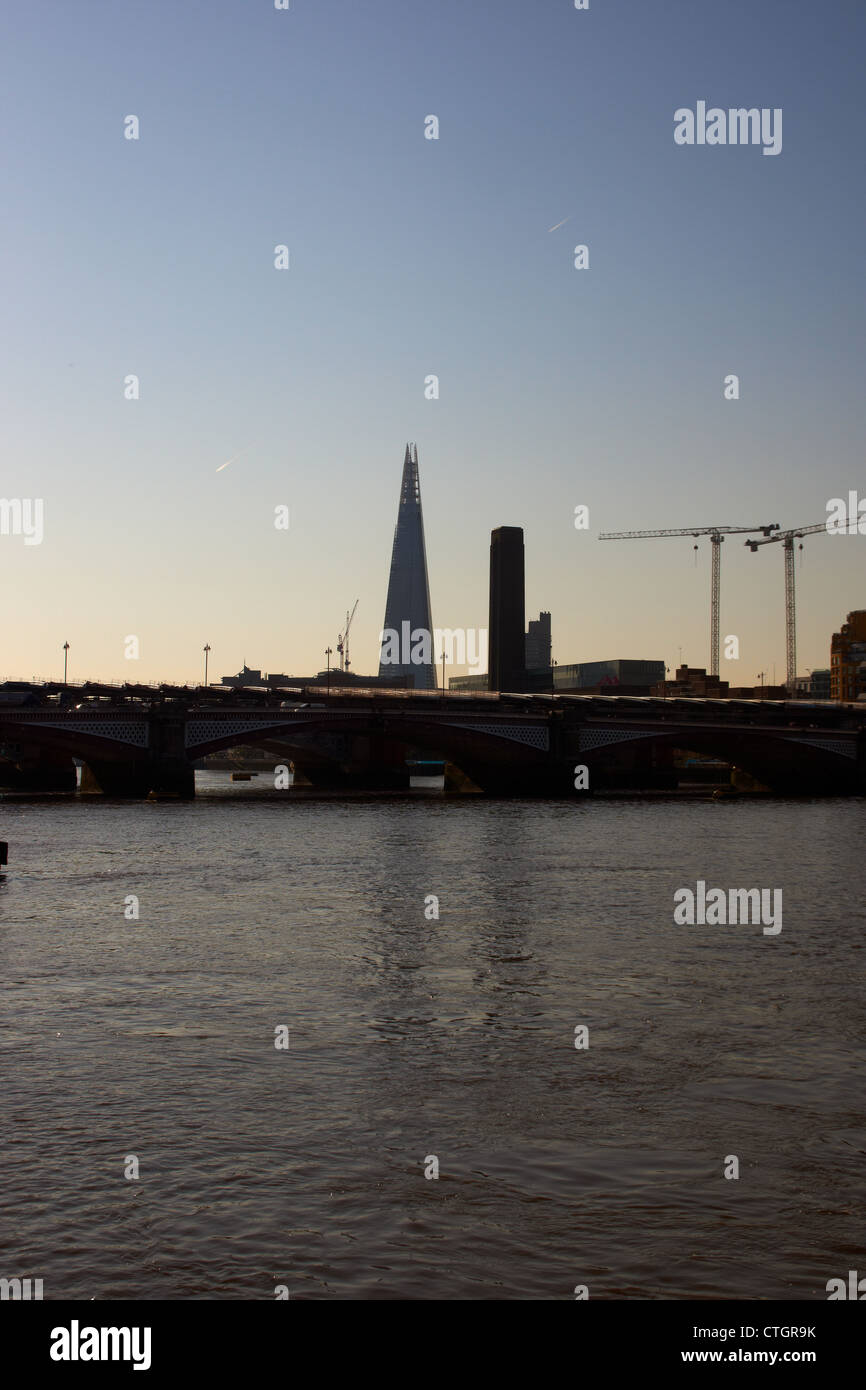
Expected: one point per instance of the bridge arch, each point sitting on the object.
(788, 761)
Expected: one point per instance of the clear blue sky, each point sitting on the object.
(411, 257)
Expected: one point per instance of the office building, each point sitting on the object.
(537, 643)
(848, 658)
(407, 609)
(587, 675)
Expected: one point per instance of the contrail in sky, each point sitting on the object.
(231, 460)
(559, 224)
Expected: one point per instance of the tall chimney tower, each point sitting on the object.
(507, 665)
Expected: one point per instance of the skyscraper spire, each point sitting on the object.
(407, 639)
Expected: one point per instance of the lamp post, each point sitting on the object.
(443, 674)
(328, 655)
(665, 683)
(205, 649)
(65, 659)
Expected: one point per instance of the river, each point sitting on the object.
(414, 1040)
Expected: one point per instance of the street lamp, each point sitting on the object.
(205, 649)
(65, 659)
(328, 654)
(443, 673)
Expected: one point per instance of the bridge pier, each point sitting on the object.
(29, 767)
(521, 779)
(137, 779)
(41, 776)
(169, 770)
(172, 777)
(861, 763)
(99, 778)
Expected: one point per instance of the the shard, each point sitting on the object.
(407, 638)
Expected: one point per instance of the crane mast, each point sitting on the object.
(787, 538)
(717, 535)
(343, 640)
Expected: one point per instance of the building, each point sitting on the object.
(408, 628)
(819, 684)
(814, 686)
(848, 658)
(245, 676)
(759, 692)
(333, 678)
(506, 635)
(537, 643)
(692, 681)
(469, 684)
(588, 675)
(336, 679)
(537, 674)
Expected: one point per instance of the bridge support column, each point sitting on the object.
(170, 771)
(41, 775)
(139, 778)
(128, 779)
(38, 779)
(522, 779)
(861, 763)
(172, 777)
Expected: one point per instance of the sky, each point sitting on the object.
(408, 258)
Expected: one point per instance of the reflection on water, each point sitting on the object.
(413, 1036)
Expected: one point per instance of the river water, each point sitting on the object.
(412, 1039)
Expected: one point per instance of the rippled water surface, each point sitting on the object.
(412, 1037)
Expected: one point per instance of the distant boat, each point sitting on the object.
(426, 774)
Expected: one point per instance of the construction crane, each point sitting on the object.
(717, 535)
(343, 640)
(787, 538)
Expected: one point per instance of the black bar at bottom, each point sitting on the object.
(167, 1339)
